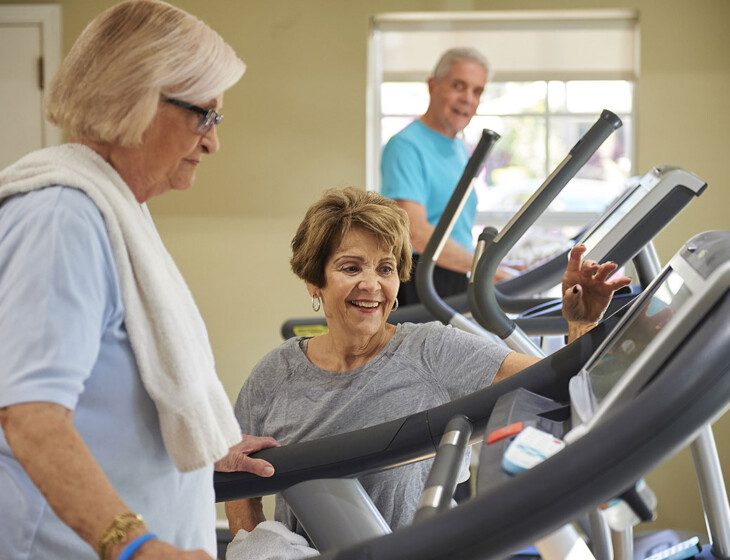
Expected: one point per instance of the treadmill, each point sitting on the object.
(622, 398)
(618, 236)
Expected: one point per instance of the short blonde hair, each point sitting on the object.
(338, 211)
(108, 87)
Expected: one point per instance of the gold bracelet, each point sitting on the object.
(118, 530)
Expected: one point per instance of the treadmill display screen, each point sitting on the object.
(609, 223)
(656, 310)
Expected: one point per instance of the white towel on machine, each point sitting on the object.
(269, 540)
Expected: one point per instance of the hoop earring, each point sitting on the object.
(395, 305)
(316, 303)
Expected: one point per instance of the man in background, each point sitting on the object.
(421, 165)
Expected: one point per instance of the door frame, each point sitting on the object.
(48, 19)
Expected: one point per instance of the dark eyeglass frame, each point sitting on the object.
(208, 117)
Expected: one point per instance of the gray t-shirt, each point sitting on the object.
(423, 366)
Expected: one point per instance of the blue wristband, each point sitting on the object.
(133, 546)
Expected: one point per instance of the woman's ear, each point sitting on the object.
(312, 290)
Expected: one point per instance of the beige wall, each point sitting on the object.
(296, 124)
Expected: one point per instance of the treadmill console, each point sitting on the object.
(648, 205)
(623, 206)
(659, 306)
(666, 312)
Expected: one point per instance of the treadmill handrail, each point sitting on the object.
(482, 293)
(427, 261)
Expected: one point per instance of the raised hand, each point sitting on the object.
(587, 287)
(238, 456)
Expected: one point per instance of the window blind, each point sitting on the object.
(520, 45)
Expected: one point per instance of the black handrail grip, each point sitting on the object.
(484, 296)
(426, 263)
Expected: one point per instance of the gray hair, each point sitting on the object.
(109, 86)
(452, 56)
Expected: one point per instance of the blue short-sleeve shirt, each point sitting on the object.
(63, 341)
(423, 166)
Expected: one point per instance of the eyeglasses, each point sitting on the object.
(208, 117)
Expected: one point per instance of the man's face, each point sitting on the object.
(455, 97)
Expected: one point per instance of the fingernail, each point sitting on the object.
(268, 471)
(575, 289)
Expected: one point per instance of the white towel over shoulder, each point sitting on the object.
(165, 328)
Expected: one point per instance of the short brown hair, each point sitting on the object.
(109, 86)
(338, 211)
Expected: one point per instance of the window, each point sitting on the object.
(552, 74)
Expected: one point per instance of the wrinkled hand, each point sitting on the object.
(238, 456)
(587, 290)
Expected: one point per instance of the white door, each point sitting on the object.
(20, 94)
(29, 54)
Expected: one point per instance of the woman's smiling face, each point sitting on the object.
(361, 284)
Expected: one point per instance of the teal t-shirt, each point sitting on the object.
(423, 166)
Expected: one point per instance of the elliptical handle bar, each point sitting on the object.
(482, 293)
(424, 271)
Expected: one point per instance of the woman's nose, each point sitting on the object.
(210, 140)
(369, 281)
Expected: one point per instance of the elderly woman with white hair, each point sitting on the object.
(111, 412)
